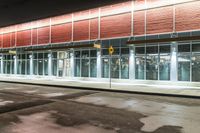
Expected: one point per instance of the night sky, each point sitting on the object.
(19, 11)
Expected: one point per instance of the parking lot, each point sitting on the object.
(43, 109)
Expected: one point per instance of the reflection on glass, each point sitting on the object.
(196, 68)
(164, 67)
(19, 66)
(124, 67)
(139, 67)
(85, 68)
(28, 67)
(23, 66)
(35, 67)
(105, 67)
(152, 67)
(40, 67)
(115, 62)
(93, 68)
(8, 67)
(46, 67)
(54, 67)
(77, 68)
(184, 68)
(4, 67)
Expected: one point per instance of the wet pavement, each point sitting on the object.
(39, 109)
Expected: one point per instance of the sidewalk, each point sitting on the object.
(164, 88)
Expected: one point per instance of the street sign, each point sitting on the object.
(97, 46)
(12, 52)
(111, 50)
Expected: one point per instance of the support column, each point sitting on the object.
(72, 63)
(49, 64)
(31, 64)
(174, 62)
(98, 63)
(15, 64)
(132, 63)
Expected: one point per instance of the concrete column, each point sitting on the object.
(31, 64)
(72, 63)
(49, 64)
(132, 63)
(174, 62)
(15, 64)
(98, 63)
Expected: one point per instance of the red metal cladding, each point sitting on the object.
(1, 40)
(94, 12)
(34, 37)
(139, 23)
(188, 16)
(44, 35)
(160, 20)
(94, 28)
(81, 30)
(81, 15)
(116, 26)
(117, 8)
(6, 40)
(23, 38)
(139, 4)
(61, 19)
(13, 40)
(60, 33)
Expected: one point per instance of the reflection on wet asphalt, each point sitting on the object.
(158, 114)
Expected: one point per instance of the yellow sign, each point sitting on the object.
(12, 52)
(111, 50)
(97, 46)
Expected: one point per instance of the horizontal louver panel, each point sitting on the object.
(43, 35)
(24, 38)
(81, 30)
(116, 26)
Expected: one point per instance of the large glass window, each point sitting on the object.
(85, 63)
(196, 62)
(152, 67)
(105, 68)
(140, 67)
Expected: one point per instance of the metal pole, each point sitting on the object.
(110, 70)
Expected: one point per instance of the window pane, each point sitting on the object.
(77, 68)
(77, 54)
(152, 49)
(184, 68)
(140, 50)
(28, 67)
(93, 68)
(184, 48)
(139, 67)
(152, 68)
(196, 67)
(40, 67)
(35, 67)
(115, 62)
(165, 49)
(93, 53)
(54, 67)
(46, 67)
(23, 68)
(164, 67)
(195, 47)
(124, 67)
(8, 67)
(85, 53)
(85, 68)
(125, 51)
(105, 52)
(105, 68)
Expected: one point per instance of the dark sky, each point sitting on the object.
(18, 11)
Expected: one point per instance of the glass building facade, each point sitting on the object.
(133, 62)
